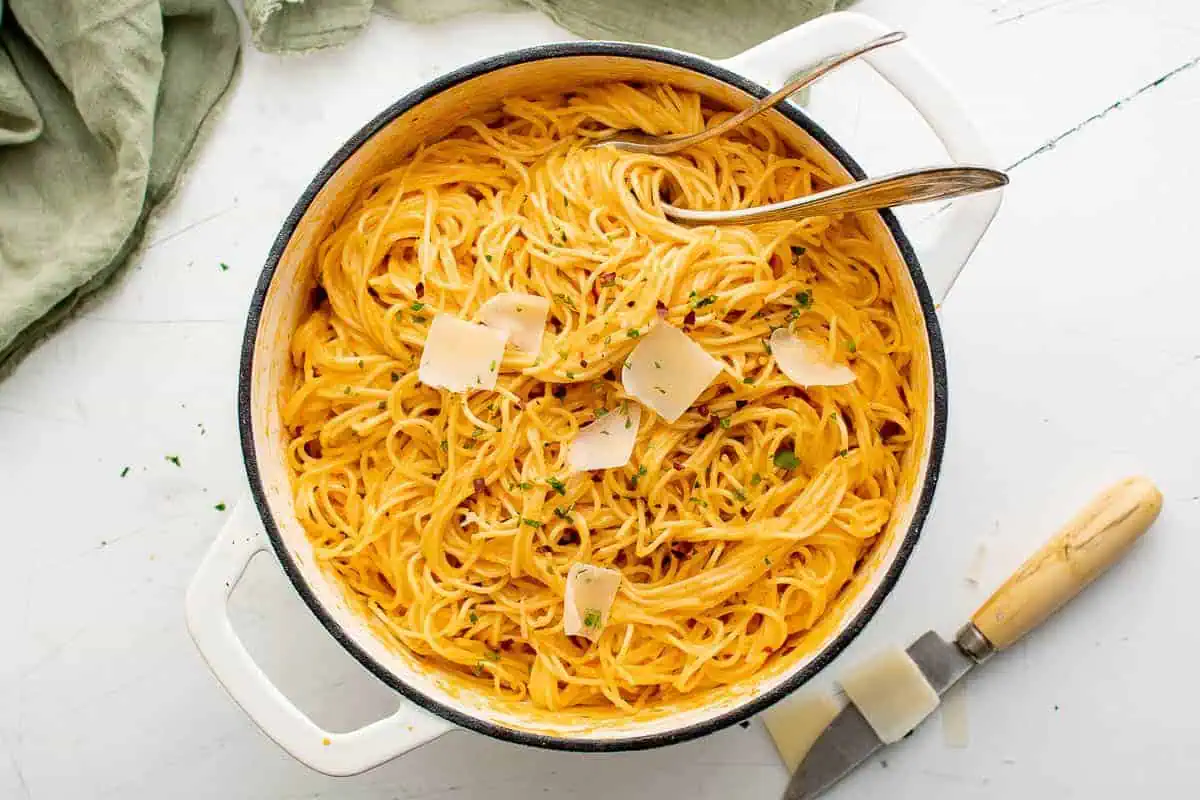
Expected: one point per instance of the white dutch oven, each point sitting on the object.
(429, 704)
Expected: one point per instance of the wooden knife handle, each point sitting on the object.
(1087, 546)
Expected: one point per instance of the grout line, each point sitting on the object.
(1052, 143)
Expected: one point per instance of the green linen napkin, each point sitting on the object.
(101, 102)
(713, 28)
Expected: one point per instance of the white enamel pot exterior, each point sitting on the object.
(428, 705)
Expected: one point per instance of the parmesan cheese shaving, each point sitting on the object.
(667, 371)
(891, 692)
(589, 597)
(522, 316)
(607, 442)
(461, 355)
(796, 723)
(803, 364)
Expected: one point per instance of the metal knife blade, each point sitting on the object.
(849, 740)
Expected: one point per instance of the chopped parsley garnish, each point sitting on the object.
(219, 506)
(487, 259)
(474, 618)
(628, 423)
(346, 390)
(417, 306)
(563, 513)
(767, 560)
(804, 299)
(660, 390)
(493, 655)
(701, 302)
(557, 485)
(794, 314)
(445, 445)
(360, 363)
(725, 422)
(851, 346)
(658, 365)
(174, 460)
(492, 366)
(740, 495)
(633, 333)
(417, 318)
(533, 523)
(755, 479)
(570, 375)
(747, 379)
(633, 482)
(224, 267)
(600, 412)
(786, 459)
(525, 486)
(592, 618)
(843, 453)
(124, 472)
(797, 251)
(566, 301)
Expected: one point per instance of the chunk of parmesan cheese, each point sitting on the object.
(891, 692)
(461, 355)
(804, 364)
(589, 597)
(667, 371)
(522, 316)
(607, 442)
(796, 723)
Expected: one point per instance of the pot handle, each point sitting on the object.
(775, 60)
(208, 621)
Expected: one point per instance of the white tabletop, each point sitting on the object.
(1073, 341)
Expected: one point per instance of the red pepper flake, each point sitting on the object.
(702, 409)
(690, 319)
(661, 308)
(608, 278)
(681, 549)
(568, 537)
(479, 486)
(420, 288)
(678, 465)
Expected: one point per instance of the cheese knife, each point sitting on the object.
(1087, 546)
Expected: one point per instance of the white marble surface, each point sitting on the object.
(1074, 347)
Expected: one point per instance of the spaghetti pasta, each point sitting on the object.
(453, 519)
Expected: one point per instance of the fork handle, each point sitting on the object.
(897, 189)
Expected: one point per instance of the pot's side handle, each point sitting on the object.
(775, 60)
(208, 621)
